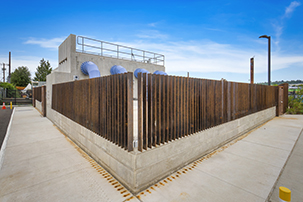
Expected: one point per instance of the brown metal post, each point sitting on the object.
(130, 111)
(10, 65)
(252, 70)
(140, 112)
(43, 99)
(33, 97)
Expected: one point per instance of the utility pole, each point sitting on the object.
(3, 69)
(9, 67)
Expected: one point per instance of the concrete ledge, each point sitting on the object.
(138, 170)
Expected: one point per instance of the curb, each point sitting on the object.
(5, 139)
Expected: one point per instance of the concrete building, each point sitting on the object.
(77, 49)
(136, 170)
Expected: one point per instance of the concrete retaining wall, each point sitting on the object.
(155, 164)
(138, 170)
(38, 105)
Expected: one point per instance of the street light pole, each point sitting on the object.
(268, 37)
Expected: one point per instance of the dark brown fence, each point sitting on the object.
(285, 96)
(172, 107)
(37, 92)
(103, 105)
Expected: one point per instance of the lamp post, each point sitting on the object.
(267, 37)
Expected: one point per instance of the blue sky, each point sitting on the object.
(209, 39)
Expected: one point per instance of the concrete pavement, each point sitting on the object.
(41, 164)
(243, 170)
(291, 176)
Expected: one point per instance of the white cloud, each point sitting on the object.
(290, 9)
(152, 34)
(208, 56)
(279, 25)
(46, 43)
(154, 24)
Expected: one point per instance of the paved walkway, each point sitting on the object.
(41, 164)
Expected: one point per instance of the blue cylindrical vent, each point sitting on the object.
(160, 72)
(91, 69)
(117, 69)
(140, 70)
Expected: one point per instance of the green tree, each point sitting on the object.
(295, 104)
(42, 70)
(21, 76)
(8, 86)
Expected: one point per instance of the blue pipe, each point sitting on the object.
(91, 69)
(139, 70)
(160, 72)
(117, 69)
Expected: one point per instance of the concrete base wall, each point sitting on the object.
(155, 164)
(116, 160)
(38, 105)
(138, 170)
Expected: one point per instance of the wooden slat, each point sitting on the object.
(145, 111)
(150, 111)
(155, 114)
(163, 107)
(167, 104)
(174, 112)
(159, 108)
(130, 111)
(170, 97)
(140, 113)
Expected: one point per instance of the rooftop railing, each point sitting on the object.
(107, 49)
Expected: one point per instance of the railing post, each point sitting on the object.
(82, 44)
(101, 48)
(117, 52)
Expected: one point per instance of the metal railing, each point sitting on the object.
(103, 48)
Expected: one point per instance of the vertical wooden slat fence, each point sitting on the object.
(104, 105)
(37, 92)
(172, 107)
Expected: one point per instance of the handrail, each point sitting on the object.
(134, 54)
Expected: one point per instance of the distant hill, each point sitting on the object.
(280, 82)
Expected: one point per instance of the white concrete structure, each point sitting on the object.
(137, 170)
(70, 61)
